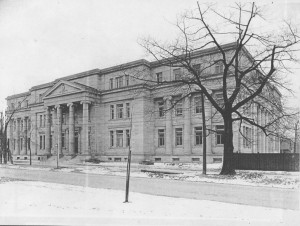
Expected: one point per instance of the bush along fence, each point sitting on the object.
(267, 161)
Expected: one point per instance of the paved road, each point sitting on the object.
(249, 195)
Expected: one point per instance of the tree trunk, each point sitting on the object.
(228, 164)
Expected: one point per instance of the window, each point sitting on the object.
(112, 111)
(41, 120)
(40, 98)
(44, 142)
(76, 117)
(51, 119)
(161, 137)
(119, 138)
(64, 119)
(19, 104)
(177, 73)
(126, 80)
(21, 143)
(12, 106)
(246, 137)
(63, 140)
(127, 138)
(198, 135)
(161, 107)
(44, 120)
(198, 104)
(51, 143)
(178, 107)
(219, 68)
(111, 138)
(219, 98)
(15, 125)
(26, 103)
(220, 134)
(111, 83)
(41, 142)
(119, 82)
(28, 143)
(197, 68)
(159, 77)
(178, 136)
(89, 137)
(89, 113)
(22, 125)
(127, 110)
(29, 124)
(119, 110)
(14, 144)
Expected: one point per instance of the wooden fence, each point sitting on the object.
(267, 161)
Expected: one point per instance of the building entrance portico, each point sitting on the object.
(69, 122)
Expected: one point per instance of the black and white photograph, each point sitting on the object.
(150, 112)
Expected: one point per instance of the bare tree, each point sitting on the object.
(251, 68)
(5, 122)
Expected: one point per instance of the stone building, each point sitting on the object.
(94, 113)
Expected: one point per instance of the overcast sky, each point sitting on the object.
(43, 40)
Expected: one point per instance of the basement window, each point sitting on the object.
(217, 160)
(157, 159)
(175, 159)
(195, 159)
(117, 159)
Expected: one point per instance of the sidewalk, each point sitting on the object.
(171, 171)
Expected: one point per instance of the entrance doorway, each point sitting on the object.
(76, 143)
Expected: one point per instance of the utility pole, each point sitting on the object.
(128, 159)
(204, 134)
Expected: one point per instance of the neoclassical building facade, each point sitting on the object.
(95, 113)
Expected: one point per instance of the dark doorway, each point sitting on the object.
(76, 143)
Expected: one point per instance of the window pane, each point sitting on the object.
(111, 138)
(177, 74)
(198, 135)
(120, 110)
(161, 112)
(161, 137)
(178, 132)
(198, 104)
(119, 138)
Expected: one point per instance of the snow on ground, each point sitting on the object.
(185, 172)
(46, 203)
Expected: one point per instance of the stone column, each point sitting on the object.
(59, 128)
(35, 142)
(48, 132)
(25, 134)
(258, 131)
(85, 124)
(22, 134)
(209, 136)
(18, 137)
(187, 126)
(254, 129)
(169, 126)
(263, 134)
(267, 137)
(71, 129)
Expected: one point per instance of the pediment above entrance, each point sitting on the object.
(63, 88)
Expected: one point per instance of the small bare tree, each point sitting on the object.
(5, 121)
(250, 72)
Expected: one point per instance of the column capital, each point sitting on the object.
(167, 98)
(85, 102)
(57, 106)
(70, 104)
